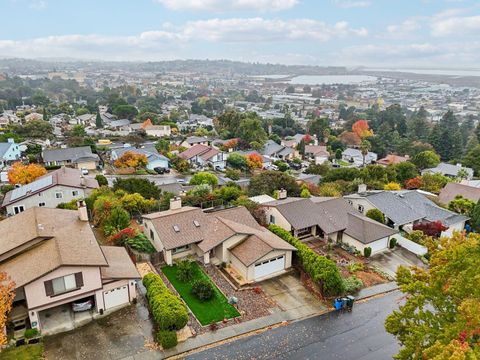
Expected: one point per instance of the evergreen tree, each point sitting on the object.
(418, 127)
(98, 120)
(456, 149)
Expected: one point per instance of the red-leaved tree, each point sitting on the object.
(433, 229)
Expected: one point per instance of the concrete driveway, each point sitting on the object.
(390, 260)
(121, 335)
(290, 295)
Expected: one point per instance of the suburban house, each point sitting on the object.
(33, 116)
(452, 189)
(355, 156)
(392, 159)
(318, 153)
(332, 219)
(78, 157)
(122, 125)
(293, 141)
(276, 151)
(9, 152)
(158, 130)
(202, 155)
(404, 208)
(266, 161)
(55, 260)
(230, 236)
(155, 159)
(59, 186)
(452, 171)
(196, 140)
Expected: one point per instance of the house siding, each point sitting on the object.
(376, 246)
(279, 218)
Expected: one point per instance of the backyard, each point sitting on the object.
(207, 312)
(24, 352)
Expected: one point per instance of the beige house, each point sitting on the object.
(158, 130)
(54, 259)
(230, 236)
(59, 186)
(78, 157)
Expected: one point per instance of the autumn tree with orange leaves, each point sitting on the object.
(361, 129)
(254, 161)
(7, 293)
(131, 160)
(25, 174)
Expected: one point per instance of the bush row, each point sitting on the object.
(168, 310)
(322, 270)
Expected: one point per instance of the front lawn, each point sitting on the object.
(23, 352)
(214, 310)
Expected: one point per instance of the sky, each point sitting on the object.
(373, 33)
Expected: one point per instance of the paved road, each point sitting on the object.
(359, 335)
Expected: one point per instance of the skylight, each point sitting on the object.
(196, 223)
(176, 228)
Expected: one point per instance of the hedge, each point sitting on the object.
(167, 338)
(168, 310)
(322, 270)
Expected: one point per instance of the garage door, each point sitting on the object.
(268, 267)
(115, 297)
(378, 245)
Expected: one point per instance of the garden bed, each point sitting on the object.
(206, 312)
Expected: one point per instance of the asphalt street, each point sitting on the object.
(358, 335)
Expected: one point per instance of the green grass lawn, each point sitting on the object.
(24, 352)
(343, 163)
(214, 310)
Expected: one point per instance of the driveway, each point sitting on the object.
(290, 295)
(120, 335)
(390, 260)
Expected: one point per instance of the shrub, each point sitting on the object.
(102, 180)
(376, 215)
(367, 251)
(416, 236)
(232, 174)
(354, 267)
(31, 333)
(184, 270)
(322, 270)
(167, 310)
(352, 284)
(7, 188)
(167, 338)
(393, 243)
(202, 289)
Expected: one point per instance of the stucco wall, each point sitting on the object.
(377, 246)
(89, 165)
(279, 219)
(455, 227)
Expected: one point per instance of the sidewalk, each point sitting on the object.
(250, 326)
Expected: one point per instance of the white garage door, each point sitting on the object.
(378, 245)
(115, 297)
(268, 267)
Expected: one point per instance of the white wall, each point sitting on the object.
(376, 246)
(411, 245)
(279, 219)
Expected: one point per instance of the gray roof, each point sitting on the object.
(119, 123)
(271, 147)
(4, 148)
(448, 170)
(73, 154)
(366, 230)
(197, 139)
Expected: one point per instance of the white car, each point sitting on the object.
(84, 171)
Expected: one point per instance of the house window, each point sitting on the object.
(272, 219)
(360, 208)
(75, 193)
(59, 195)
(42, 204)
(18, 209)
(181, 249)
(63, 284)
(151, 235)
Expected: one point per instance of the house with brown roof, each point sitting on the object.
(318, 153)
(328, 218)
(54, 259)
(452, 190)
(203, 155)
(392, 159)
(59, 186)
(230, 236)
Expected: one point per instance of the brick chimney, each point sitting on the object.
(82, 210)
(176, 203)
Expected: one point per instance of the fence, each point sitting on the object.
(411, 246)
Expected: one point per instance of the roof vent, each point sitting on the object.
(176, 228)
(196, 223)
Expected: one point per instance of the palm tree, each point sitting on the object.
(365, 147)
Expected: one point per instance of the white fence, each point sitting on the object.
(410, 245)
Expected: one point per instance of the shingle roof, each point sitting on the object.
(72, 154)
(195, 150)
(4, 148)
(366, 230)
(392, 159)
(449, 169)
(119, 264)
(317, 150)
(452, 189)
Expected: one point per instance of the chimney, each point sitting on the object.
(176, 203)
(82, 210)
(282, 194)
(362, 188)
(83, 182)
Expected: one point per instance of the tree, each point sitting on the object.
(475, 217)
(125, 111)
(392, 186)
(163, 146)
(414, 183)
(461, 205)
(131, 159)
(439, 319)
(426, 160)
(404, 171)
(472, 159)
(365, 147)
(25, 174)
(269, 181)
(39, 129)
(318, 169)
(204, 177)
(433, 229)
(361, 129)
(251, 130)
(98, 120)
(233, 174)
(376, 215)
(7, 294)
(290, 89)
(148, 189)
(434, 182)
(305, 193)
(254, 161)
(78, 130)
(237, 161)
(118, 219)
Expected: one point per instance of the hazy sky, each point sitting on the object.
(423, 33)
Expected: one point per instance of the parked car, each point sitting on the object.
(82, 305)
(295, 166)
(84, 171)
(159, 170)
(181, 181)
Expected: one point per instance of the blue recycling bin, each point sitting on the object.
(338, 304)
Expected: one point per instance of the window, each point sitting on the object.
(272, 219)
(42, 204)
(151, 235)
(360, 208)
(18, 209)
(75, 193)
(64, 284)
(181, 249)
(59, 195)
(196, 223)
(176, 228)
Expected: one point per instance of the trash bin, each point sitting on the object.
(350, 301)
(338, 304)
